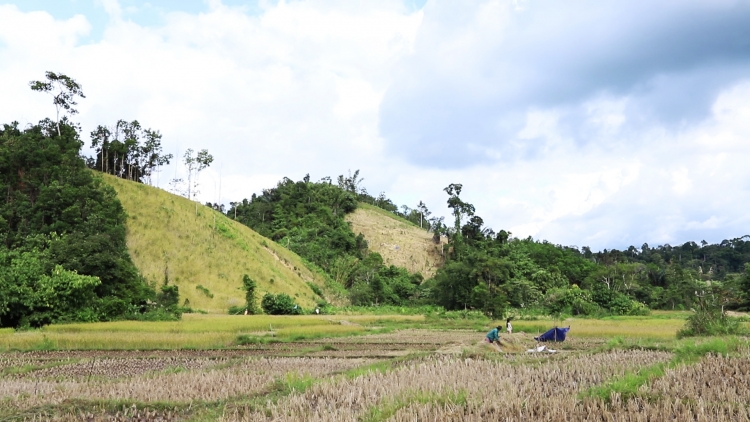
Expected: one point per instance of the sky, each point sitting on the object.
(584, 123)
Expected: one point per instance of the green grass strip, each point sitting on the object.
(685, 353)
(384, 411)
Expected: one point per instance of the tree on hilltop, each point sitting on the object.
(64, 91)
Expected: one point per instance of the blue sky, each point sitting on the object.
(605, 124)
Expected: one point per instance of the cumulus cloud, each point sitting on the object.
(586, 123)
(292, 90)
(479, 66)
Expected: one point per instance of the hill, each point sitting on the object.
(196, 246)
(398, 241)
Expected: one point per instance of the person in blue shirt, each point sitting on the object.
(494, 335)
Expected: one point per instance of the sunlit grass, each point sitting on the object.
(390, 236)
(630, 327)
(374, 319)
(193, 245)
(193, 331)
(218, 331)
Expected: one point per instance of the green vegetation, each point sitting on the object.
(197, 331)
(685, 353)
(309, 219)
(127, 151)
(63, 255)
(168, 239)
(503, 275)
(250, 294)
(281, 304)
(383, 411)
(64, 258)
(709, 319)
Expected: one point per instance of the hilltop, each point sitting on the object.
(397, 240)
(193, 245)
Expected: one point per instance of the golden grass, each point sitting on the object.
(250, 376)
(644, 327)
(493, 390)
(399, 242)
(193, 331)
(204, 247)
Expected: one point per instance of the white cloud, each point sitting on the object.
(112, 7)
(300, 88)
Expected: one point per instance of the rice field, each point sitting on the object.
(194, 331)
(632, 327)
(372, 368)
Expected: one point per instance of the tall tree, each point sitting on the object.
(423, 213)
(460, 209)
(64, 91)
(195, 164)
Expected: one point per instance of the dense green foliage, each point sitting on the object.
(709, 318)
(280, 304)
(63, 255)
(250, 287)
(308, 218)
(494, 272)
(488, 271)
(127, 151)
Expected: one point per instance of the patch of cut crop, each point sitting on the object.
(494, 390)
(245, 378)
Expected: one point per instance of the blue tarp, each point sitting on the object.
(554, 334)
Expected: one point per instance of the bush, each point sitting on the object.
(205, 291)
(169, 297)
(316, 289)
(281, 304)
(710, 322)
(236, 310)
(250, 287)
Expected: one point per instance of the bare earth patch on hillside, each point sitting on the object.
(398, 242)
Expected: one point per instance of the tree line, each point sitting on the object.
(63, 254)
(486, 270)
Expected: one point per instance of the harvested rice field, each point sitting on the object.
(407, 374)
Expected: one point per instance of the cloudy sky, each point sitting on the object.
(605, 124)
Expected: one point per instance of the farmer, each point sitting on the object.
(508, 326)
(493, 336)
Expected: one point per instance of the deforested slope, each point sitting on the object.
(398, 241)
(205, 253)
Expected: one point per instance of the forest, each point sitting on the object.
(63, 252)
(493, 271)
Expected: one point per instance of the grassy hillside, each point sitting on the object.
(400, 242)
(197, 246)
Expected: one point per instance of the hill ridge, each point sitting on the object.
(204, 252)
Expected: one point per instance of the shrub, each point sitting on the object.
(281, 304)
(250, 287)
(205, 291)
(314, 287)
(710, 322)
(169, 297)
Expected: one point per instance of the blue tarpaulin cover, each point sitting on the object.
(554, 334)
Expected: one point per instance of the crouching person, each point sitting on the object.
(493, 337)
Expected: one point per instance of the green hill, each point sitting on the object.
(196, 246)
(398, 241)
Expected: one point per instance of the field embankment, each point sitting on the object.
(205, 253)
(399, 242)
